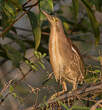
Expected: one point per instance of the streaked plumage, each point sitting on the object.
(65, 59)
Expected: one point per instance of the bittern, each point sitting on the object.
(67, 64)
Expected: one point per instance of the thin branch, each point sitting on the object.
(45, 33)
(79, 93)
(91, 57)
(96, 105)
(100, 60)
(30, 6)
(15, 84)
(49, 77)
(2, 100)
(83, 91)
(28, 30)
(23, 29)
(4, 31)
(6, 86)
(26, 3)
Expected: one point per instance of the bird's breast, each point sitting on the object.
(55, 57)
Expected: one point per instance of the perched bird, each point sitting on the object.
(65, 59)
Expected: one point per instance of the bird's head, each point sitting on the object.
(53, 20)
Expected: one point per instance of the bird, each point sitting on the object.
(66, 61)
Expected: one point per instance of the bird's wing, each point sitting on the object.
(74, 67)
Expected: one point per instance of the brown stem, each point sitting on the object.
(80, 93)
(23, 29)
(4, 31)
(96, 105)
(30, 6)
(26, 2)
(28, 30)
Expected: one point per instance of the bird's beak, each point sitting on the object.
(49, 17)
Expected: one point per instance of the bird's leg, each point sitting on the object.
(64, 86)
(74, 86)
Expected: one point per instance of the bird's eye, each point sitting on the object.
(55, 19)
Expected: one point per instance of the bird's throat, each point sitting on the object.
(54, 51)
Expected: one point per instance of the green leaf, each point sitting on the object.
(48, 7)
(35, 28)
(43, 6)
(98, 108)
(34, 67)
(11, 89)
(1, 0)
(42, 65)
(17, 4)
(94, 23)
(1, 96)
(13, 54)
(8, 13)
(14, 95)
(64, 105)
(98, 4)
(76, 9)
(66, 26)
(9, 10)
(50, 3)
(97, 71)
(79, 108)
(40, 57)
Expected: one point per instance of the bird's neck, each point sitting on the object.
(57, 34)
(57, 28)
(58, 38)
(56, 31)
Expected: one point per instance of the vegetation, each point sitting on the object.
(80, 24)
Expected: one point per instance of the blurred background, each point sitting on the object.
(24, 56)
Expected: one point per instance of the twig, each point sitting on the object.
(90, 57)
(100, 60)
(6, 86)
(83, 92)
(26, 3)
(23, 29)
(28, 30)
(96, 105)
(30, 6)
(15, 84)
(4, 31)
(49, 77)
(2, 100)
(36, 99)
(45, 33)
